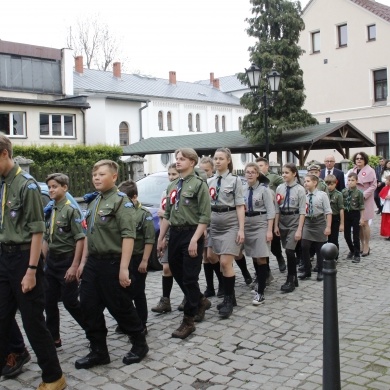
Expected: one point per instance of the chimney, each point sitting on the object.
(212, 78)
(172, 77)
(116, 68)
(78, 64)
(216, 83)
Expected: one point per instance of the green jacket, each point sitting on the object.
(144, 226)
(336, 202)
(353, 199)
(274, 180)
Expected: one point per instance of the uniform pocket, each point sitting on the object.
(106, 215)
(63, 227)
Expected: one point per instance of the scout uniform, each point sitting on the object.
(337, 204)
(274, 180)
(63, 232)
(110, 218)
(353, 204)
(145, 234)
(187, 205)
(21, 217)
(317, 207)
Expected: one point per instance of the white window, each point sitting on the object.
(13, 124)
(123, 134)
(371, 32)
(315, 42)
(198, 122)
(190, 128)
(160, 121)
(169, 121)
(56, 125)
(223, 123)
(342, 35)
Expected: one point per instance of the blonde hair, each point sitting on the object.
(112, 165)
(254, 166)
(5, 144)
(188, 153)
(207, 160)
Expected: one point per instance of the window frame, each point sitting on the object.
(369, 37)
(313, 46)
(216, 123)
(383, 83)
(197, 123)
(10, 123)
(382, 147)
(62, 125)
(190, 122)
(169, 121)
(223, 123)
(160, 121)
(121, 132)
(339, 35)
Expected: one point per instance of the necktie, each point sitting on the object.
(94, 212)
(3, 195)
(250, 201)
(52, 222)
(287, 199)
(328, 172)
(218, 187)
(311, 211)
(349, 200)
(178, 189)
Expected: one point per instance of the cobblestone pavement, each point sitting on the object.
(277, 345)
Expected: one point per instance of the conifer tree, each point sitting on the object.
(276, 25)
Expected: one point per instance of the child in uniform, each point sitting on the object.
(337, 205)
(62, 248)
(259, 219)
(289, 219)
(353, 216)
(105, 269)
(384, 196)
(227, 222)
(317, 225)
(143, 245)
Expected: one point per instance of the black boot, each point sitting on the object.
(96, 357)
(220, 305)
(289, 286)
(227, 309)
(138, 351)
(281, 264)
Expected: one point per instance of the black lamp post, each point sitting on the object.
(254, 76)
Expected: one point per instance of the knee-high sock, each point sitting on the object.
(291, 262)
(217, 270)
(209, 275)
(167, 283)
(261, 272)
(242, 265)
(229, 284)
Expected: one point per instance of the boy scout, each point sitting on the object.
(143, 245)
(105, 269)
(21, 271)
(62, 248)
(337, 205)
(353, 216)
(315, 169)
(188, 212)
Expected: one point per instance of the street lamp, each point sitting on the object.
(254, 76)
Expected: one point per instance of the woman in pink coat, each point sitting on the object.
(367, 184)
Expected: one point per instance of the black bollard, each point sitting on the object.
(331, 353)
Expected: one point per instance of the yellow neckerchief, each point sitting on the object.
(53, 218)
(4, 196)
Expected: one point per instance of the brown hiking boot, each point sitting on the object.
(204, 304)
(163, 306)
(186, 327)
(181, 306)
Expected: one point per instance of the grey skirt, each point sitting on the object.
(288, 225)
(313, 229)
(223, 232)
(255, 243)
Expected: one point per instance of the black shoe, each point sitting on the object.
(315, 269)
(289, 286)
(356, 259)
(320, 276)
(365, 254)
(227, 309)
(220, 305)
(305, 275)
(248, 279)
(15, 363)
(349, 256)
(301, 268)
(94, 358)
(209, 292)
(138, 351)
(220, 292)
(281, 264)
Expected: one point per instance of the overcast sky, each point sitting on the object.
(192, 38)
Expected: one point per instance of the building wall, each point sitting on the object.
(339, 80)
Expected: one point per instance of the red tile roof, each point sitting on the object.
(381, 10)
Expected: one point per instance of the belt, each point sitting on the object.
(222, 209)
(108, 256)
(254, 213)
(314, 217)
(184, 228)
(289, 212)
(15, 248)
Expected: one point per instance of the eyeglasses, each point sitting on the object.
(330, 161)
(250, 173)
(359, 158)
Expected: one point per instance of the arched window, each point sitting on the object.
(123, 134)
(239, 123)
(165, 159)
(160, 121)
(190, 128)
(216, 123)
(197, 122)
(223, 123)
(169, 120)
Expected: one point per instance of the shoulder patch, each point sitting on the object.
(128, 205)
(149, 218)
(122, 194)
(78, 220)
(32, 186)
(27, 176)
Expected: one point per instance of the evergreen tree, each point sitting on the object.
(276, 24)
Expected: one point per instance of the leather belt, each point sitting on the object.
(222, 209)
(289, 212)
(254, 213)
(15, 248)
(184, 228)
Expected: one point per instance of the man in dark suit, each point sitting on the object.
(331, 170)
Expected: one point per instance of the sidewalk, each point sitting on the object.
(277, 345)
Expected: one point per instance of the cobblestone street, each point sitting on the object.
(277, 345)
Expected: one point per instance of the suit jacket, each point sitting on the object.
(339, 176)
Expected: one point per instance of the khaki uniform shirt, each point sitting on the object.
(297, 200)
(353, 199)
(320, 203)
(322, 186)
(22, 209)
(144, 226)
(110, 218)
(336, 201)
(274, 180)
(193, 207)
(64, 228)
(230, 194)
(262, 199)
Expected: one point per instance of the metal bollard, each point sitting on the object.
(331, 348)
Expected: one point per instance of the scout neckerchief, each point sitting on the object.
(218, 188)
(3, 196)
(53, 219)
(311, 211)
(94, 211)
(178, 190)
(348, 206)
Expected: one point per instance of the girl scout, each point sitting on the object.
(289, 219)
(227, 222)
